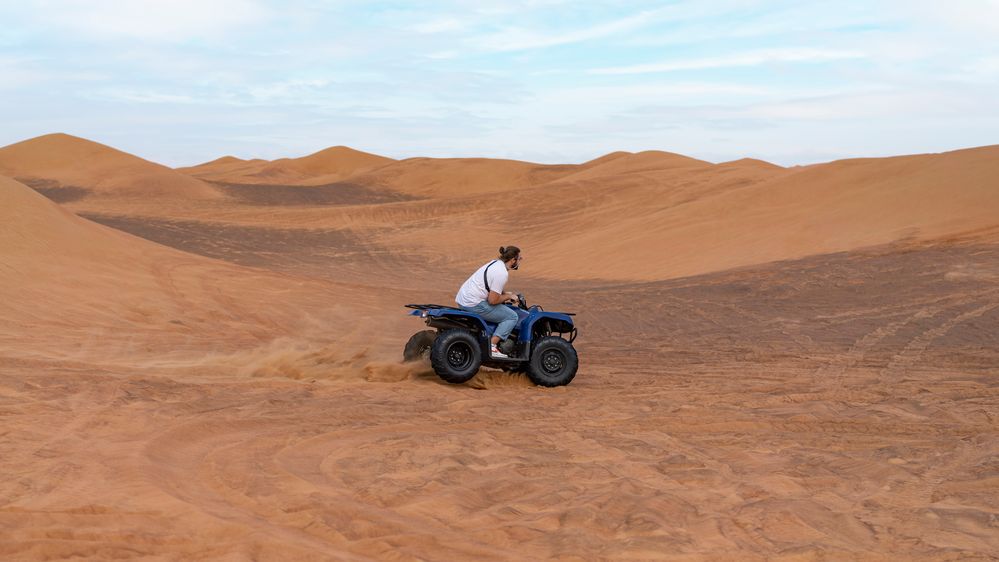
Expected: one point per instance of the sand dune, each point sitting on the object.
(832, 207)
(428, 177)
(464, 177)
(73, 289)
(423, 177)
(750, 163)
(326, 166)
(648, 216)
(224, 382)
(455, 177)
(650, 161)
(67, 165)
(657, 215)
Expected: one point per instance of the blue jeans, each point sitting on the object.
(499, 313)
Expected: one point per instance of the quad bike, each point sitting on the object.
(540, 344)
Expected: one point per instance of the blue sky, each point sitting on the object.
(185, 81)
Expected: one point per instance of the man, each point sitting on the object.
(483, 294)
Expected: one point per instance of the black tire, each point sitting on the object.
(418, 346)
(553, 362)
(456, 356)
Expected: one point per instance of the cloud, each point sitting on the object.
(514, 39)
(976, 17)
(500, 77)
(23, 73)
(18, 73)
(784, 23)
(613, 98)
(754, 58)
(983, 69)
(287, 89)
(139, 96)
(150, 20)
(440, 25)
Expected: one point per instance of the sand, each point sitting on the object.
(775, 363)
(60, 162)
(326, 166)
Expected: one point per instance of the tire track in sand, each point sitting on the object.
(235, 473)
(179, 458)
(913, 351)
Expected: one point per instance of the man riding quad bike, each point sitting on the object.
(497, 329)
(540, 344)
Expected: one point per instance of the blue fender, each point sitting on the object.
(562, 322)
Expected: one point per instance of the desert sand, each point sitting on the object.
(775, 363)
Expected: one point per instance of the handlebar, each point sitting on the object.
(521, 301)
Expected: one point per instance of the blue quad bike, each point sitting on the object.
(540, 344)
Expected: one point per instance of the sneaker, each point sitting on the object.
(497, 354)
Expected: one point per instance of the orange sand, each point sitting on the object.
(775, 363)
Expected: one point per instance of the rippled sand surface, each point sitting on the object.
(222, 381)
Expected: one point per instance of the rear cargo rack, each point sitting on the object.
(430, 306)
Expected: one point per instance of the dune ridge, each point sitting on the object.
(839, 206)
(326, 166)
(66, 161)
(650, 215)
(657, 215)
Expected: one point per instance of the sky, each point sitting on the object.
(185, 81)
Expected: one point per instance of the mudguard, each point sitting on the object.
(558, 322)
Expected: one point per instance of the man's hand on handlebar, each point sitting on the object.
(511, 298)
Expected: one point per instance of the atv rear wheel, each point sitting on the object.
(553, 362)
(418, 346)
(456, 356)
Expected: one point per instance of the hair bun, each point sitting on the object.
(502, 249)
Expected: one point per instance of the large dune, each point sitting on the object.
(649, 161)
(646, 216)
(657, 215)
(653, 220)
(73, 167)
(74, 288)
(833, 207)
(665, 218)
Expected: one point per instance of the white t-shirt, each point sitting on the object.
(473, 291)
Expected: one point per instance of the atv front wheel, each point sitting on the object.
(456, 356)
(553, 362)
(418, 346)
